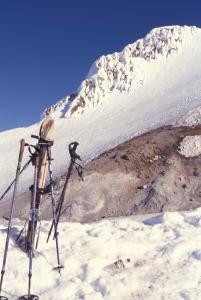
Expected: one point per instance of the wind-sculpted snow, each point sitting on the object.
(123, 72)
(113, 259)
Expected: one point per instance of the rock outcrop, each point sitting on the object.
(144, 175)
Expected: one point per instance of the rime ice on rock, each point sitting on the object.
(122, 71)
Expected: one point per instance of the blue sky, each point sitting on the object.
(47, 47)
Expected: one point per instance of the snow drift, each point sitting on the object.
(162, 259)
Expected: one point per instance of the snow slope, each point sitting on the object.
(164, 254)
(153, 82)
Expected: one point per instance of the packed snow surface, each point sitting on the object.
(161, 258)
(190, 146)
(152, 82)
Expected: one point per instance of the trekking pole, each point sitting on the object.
(74, 156)
(59, 266)
(21, 151)
(33, 220)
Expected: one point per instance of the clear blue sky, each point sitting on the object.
(47, 47)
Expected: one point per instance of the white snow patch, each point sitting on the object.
(165, 260)
(190, 146)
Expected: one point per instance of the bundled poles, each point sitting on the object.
(74, 156)
(41, 159)
(32, 222)
(46, 134)
(22, 145)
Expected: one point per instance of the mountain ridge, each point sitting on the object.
(121, 71)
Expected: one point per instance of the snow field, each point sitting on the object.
(164, 253)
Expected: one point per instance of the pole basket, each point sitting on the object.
(58, 268)
(30, 297)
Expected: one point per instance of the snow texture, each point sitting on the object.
(190, 146)
(123, 71)
(113, 259)
(192, 118)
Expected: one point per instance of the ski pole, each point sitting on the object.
(74, 156)
(60, 203)
(21, 151)
(33, 219)
(59, 266)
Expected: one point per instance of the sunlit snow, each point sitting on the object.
(161, 258)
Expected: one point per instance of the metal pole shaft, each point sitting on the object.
(22, 145)
(33, 218)
(61, 200)
(53, 206)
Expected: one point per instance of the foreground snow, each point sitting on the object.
(164, 253)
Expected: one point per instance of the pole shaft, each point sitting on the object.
(33, 218)
(61, 200)
(22, 145)
(55, 224)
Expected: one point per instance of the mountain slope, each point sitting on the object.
(126, 71)
(159, 90)
(147, 174)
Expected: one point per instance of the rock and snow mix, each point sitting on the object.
(161, 258)
(192, 118)
(191, 145)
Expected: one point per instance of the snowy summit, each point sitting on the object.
(126, 71)
(153, 82)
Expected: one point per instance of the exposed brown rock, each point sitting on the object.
(144, 175)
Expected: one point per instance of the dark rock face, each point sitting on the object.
(144, 175)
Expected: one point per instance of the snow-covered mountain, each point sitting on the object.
(152, 82)
(124, 72)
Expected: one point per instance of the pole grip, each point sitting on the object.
(22, 145)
